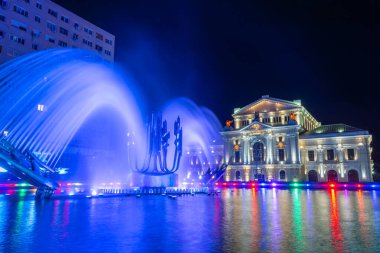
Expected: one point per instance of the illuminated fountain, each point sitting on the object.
(45, 98)
(202, 145)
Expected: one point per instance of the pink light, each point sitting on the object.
(216, 183)
(234, 184)
(68, 184)
(359, 185)
(253, 184)
(224, 183)
(274, 184)
(332, 185)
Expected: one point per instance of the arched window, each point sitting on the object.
(282, 174)
(332, 176)
(313, 176)
(353, 176)
(258, 152)
(237, 175)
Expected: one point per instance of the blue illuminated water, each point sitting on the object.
(257, 220)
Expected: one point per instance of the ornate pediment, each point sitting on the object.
(267, 104)
(255, 126)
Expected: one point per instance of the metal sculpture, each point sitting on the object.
(155, 163)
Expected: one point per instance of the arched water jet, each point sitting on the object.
(45, 97)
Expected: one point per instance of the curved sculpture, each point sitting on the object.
(155, 163)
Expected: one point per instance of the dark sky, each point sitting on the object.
(226, 54)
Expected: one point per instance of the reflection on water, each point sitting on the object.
(250, 220)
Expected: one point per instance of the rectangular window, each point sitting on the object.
(350, 154)
(2, 18)
(281, 154)
(39, 5)
(65, 19)
(109, 42)
(1, 35)
(36, 34)
(63, 31)
(62, 43)
(75, 37)
(37, 19)
(19, 25)
(99, 48)
(17, 39)
(50, 39)
(53, 13)
(99, 36)
(76, 26)
(310, 155)
(52, 27)
(20, 11)
(107, 52)
(87, 30)
(330, 154)
(35, 46)
(88, 43)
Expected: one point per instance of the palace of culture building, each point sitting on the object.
(274, 139)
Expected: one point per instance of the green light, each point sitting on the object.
(295, 185)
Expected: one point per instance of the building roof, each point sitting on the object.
(333, 130)
(267, 104)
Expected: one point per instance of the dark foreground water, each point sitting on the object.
(261, 220)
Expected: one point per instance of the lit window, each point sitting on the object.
(17, 39)
(41, 107)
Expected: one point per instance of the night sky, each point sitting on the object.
(226, 54)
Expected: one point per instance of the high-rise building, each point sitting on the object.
(30, 25)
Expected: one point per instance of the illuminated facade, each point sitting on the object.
(274, 139)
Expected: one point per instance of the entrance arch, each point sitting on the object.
(332, 176)
(353, 176)
(313, 176)
(282, 174)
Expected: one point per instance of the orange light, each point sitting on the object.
(253, 184)
(236, 147)
(280, 145)
(332, 185)
(229, 122)
(292, 115)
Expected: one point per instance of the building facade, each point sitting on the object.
(279, 140)
(29, 25)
